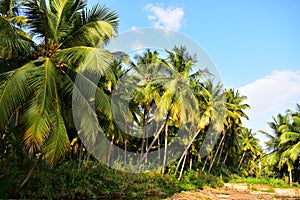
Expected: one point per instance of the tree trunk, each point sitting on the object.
(221, 151)
(217, 151)
(150, 146)
(224, 161)
(186, 149)
(166, 149)
(158, 149)
(29, 174)
(191, 161)
(125, 152)
(290, 178)
(110, 149)
(182, 166)
(204, 163)
(81, 152)
(241, 160)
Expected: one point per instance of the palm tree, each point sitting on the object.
(279, 125)
(178, 103)
(148, 67)
(232, 122)
(289, 143)
(248, 143)
(14, 41)
(69, 37)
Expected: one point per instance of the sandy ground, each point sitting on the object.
(240, 191)
(221, 194)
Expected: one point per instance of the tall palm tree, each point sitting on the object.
(232, 123)
(289, 143)
(178, 103)
(248, 143)
(279, 125)
(68, 42)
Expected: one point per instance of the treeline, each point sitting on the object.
(158, 112)
(283, 148)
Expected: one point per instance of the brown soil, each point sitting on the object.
(221, 194)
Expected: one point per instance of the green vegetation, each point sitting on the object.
(42, 155)
(273, 182)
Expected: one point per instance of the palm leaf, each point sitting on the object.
(97, 25)
(13, 41)
(43, 79)
(15, 91)
(58, 141)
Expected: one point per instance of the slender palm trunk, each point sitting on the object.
(110, 149)
(158, 149)
(80, 152)
(150, 146)
(166, 149)
(290, 177)
(186, 149)
(241, 160)
(221, 151)
(125, 152)
(191, 161)
(182, 166)
(217, 151)
(88, 157)
(29, 173)
(224, 161)
(205, 163)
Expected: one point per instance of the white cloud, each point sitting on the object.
(133, 28)
(170, 17)
(272, 92)
(269, 96)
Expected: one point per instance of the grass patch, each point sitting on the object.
(272, 182)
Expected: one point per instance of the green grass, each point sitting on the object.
(68, 180)
(272, 182)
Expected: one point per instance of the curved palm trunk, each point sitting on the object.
(217, 151)
(182, 166)
(224, 161)
(29, 173)
(221, 151)
(241, 160)
(205, 163)
(150, 146)
(186, 149)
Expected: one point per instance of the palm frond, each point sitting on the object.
(13, 41)
(43, 79)
(86, 59)
(58, 142)
(97, 25)
(15, 91)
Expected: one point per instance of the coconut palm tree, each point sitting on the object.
(69, 41)
(232, 122)
(248, 143)
(289, 143)
(178, 102)
(14, 42)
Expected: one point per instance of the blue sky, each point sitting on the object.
(255, 44)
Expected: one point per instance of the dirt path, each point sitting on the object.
(235, 192)
(220, 194)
